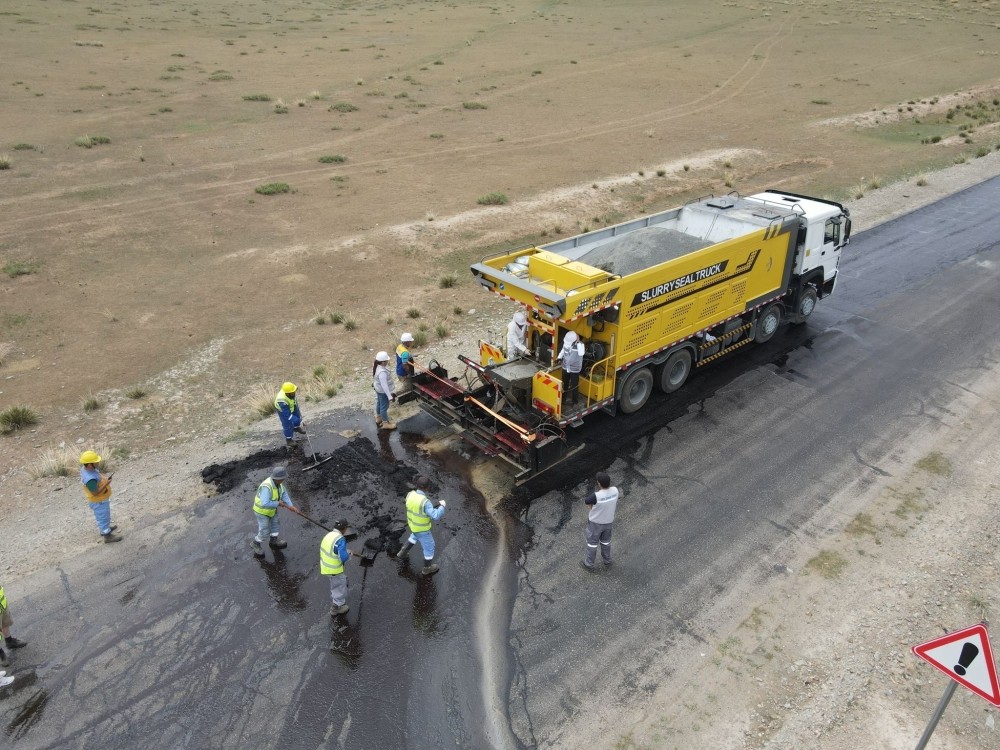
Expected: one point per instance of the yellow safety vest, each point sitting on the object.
(3, 601)
(330, 563)
(275, 494)
(415, 515)
(282, 398)
(94, 497)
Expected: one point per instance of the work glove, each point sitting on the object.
(443, 504)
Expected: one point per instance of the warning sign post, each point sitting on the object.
(966, 657)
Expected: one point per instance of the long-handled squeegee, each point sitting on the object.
(316, 462)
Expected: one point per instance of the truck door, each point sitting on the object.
(829, 252)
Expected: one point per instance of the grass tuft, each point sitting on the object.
(343, 107)
(4, 161)
(350, 323)
(336, 318)
(492, 199)
(420, 339)
(17, 417)
(136, 393)
(441, 330)
(457, 310)
(474, 105)
(448, 280)
(91, 404)
(332, 159)
(273, 188)
(24, 147)
(260, 400)
(256, 98)
(413, 313)
(15, 268)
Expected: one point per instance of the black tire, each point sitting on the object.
(635, 390)
(807, 303)
(767, 324)
(673, 373)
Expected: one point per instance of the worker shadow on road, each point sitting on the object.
(282, 585)
(426, 618)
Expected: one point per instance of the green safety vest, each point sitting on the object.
(275, 494)
(415, 516)
(282, 398)
(3, 601)
(330, 563)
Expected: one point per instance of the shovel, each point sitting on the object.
(349, 533)
(316, 462)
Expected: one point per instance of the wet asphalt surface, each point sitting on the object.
(201, 645)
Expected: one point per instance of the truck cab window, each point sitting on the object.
(832, 232)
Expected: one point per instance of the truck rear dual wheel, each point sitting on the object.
(673, 373)
(635, 390)
(807, 303)
(767, 324)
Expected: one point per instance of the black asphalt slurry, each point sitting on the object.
(200, 644)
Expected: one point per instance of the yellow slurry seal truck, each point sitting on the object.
(650, 299)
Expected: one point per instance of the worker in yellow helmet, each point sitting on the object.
(6, 622)
(97, 490)
(288, 412)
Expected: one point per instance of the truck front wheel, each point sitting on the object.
(635, 390)
(767, 324)
(673, 373)
(807, 303)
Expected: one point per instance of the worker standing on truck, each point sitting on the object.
(97, 490)
(6, 622)
(384, 393)
(404, 363)
(517, 331)
(271, 493)
(603, 502)
(571, 357)
(287, 407)
(333, 553)
(420, 513)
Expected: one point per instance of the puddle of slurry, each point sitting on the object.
(31, 710)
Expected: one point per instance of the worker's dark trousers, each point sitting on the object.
(598, 534)
(571, 384)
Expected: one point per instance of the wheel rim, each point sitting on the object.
(678, 372)
(770, 324)
(638, 391)
(808, 305)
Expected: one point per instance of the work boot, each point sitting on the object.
(404, 551)
(341, 610)
(387, 426)
(430, 568)
(3, 659)
(111, 537)
(13, 642)
(276, 543)
(378, 422)
(258, 551)
(300, 431)
(588, 568)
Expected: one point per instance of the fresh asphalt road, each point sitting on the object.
(731, 470)
(195, 644)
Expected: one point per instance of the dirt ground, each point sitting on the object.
(144, 261)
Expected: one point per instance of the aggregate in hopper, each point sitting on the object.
(650, 299)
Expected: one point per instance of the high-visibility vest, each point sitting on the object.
(282, 398)
(415, 515)
(402, 371)
(3, 601)
(94, 497)
(275, 494)
(330, 563)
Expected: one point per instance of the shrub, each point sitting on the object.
(473, 105)
(280, 108)
(4, 161)
(260, 399)
(419, 339)
(441, 330)
(135, 393)
(273, 188)
(256, 98)
(24, 147)
(437, 135)
(687, 167)
(661, 172)
(319, 371)
(343, 107)
(16, 268)
(315, 95)
(413, 313)
(448, 280)
(492, 199)
(220, 75)
(321, 319)
(935, 139)
(457, 310)
(350, 323)
(99, 139)
(83, 141)
(332, 159)
(15, 418)
(982, 151)
(921, 182)
(91, 404)
(336, 317)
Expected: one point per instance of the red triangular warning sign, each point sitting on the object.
(966, 657)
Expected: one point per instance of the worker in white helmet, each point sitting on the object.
(384, 393)
(404, 363)
(517, 331)
(571, 357)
